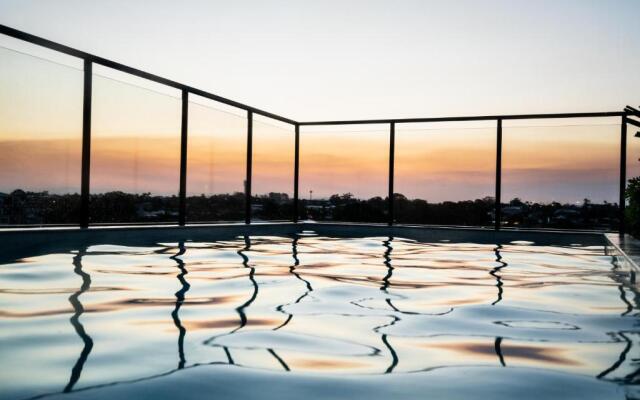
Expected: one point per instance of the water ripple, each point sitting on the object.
(90, 318)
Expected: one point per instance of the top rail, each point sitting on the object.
(27, 37)
(468, 118)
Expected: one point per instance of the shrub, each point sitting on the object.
(633, 209)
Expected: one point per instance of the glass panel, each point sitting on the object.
(273, 163)
(40, 140)
(344, 174)
(217, 163)
(561, 174)
(135, 153)
(445, 173)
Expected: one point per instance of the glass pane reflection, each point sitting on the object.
(40, 140)
(272, 180)
(135, 153)
(344, 173)
(561, 175)
(216, 167)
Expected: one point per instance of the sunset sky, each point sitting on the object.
(325, 60)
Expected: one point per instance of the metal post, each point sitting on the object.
(296, 173)
(392, 152)
(182, 210)
(86, 145)
(623, 172)
(498, 199)
(247, 185)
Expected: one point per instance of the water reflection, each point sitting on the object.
(280, 360)
(623, 297)
(292, 270)
(494, 273)
(620, 361)
(372, 305)
(254, 294)
(498, 348)
(179, 300)
(78, 309)
(386, 281)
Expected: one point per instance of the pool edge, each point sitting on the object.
(626, 248)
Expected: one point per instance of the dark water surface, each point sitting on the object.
(319, 317)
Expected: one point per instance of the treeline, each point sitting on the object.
(21, 207)
(43, 208)
(479, 212)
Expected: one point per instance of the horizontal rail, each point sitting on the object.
(468, 118)
(633, 122)
(27, 37)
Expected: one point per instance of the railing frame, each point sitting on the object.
(392, 162)
(498, 197)
(623, 174)
(247, 186)
(85, 179)
(296, 173)
(90, 60)
(184, 129)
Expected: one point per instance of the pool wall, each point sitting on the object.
(18, 243)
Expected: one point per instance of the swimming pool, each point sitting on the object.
(317, 313)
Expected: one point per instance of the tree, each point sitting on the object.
(632, 214)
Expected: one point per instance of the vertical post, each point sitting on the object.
(498, 198)
(247, 184)
(86, 145)
(623, 173)
(296, 173)
(392, 153)
(182, 210)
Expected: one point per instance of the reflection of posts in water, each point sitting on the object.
(228, 354)
(494, 273)
(74, 299)
(387, 263)
(245, 262)
(180, 295)
(621, 358)
(296, 263)
(625, 284)
(498, 347)
(386, 281)
(292, 270)
(626, 279)
(280, 360)
(241, 309)
(623, 297)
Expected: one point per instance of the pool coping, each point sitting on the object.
(240, 228)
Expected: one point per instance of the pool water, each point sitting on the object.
(319, 317)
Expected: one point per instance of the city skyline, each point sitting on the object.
(114, 169)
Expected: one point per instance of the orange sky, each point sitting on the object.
(551, 163)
